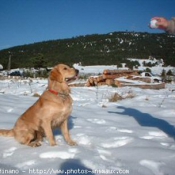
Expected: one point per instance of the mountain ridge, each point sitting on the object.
(95, 49)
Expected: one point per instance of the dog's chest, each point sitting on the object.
(62, 114)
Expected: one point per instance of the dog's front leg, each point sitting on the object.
(65, 132)
(49, 134)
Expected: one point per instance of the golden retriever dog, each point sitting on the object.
(50, 111)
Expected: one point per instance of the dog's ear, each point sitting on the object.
(56, 75)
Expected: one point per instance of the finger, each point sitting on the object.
(155, 18)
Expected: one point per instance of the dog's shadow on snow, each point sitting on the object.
(147, 120)
(75, 167)
(57, 131)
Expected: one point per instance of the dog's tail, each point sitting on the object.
(6, 133)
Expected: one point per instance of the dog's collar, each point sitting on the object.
(53, 92)
(64, 95)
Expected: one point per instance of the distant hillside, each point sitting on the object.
(106, 49)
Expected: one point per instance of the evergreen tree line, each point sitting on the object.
(106, 49)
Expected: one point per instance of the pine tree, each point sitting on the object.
(39, 61)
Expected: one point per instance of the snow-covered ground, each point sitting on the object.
(134, 136)
(155, 69)
(98, 69)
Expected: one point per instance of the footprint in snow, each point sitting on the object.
(164, 144)
(59, 154)
(147, 137)
(153, 166)
(118, 142)
(125, 130)
(10, 110)
(83, 139)
(9, 152)
(97, 121)
(77, 127)
(112, 128)
(154, 134)
(157, 134)
(26, 164)
(105, 155)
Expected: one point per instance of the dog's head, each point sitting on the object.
(63, 73)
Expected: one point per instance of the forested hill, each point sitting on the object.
(106, 49)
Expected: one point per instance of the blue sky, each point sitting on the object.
(29, 21)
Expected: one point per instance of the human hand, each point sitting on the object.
(162, 23)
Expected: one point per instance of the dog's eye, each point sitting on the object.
(65, 68)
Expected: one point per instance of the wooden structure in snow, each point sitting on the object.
(121, 78)
(108, 77)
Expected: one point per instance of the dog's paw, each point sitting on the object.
(72, 143)
(35, 144)
(53, 144)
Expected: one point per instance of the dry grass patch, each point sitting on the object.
(36, 95)
(116, 97)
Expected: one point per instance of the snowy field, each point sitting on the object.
(133, 136)
(98, 69)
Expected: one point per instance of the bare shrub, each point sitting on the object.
(116, 97)
(36, 95)
(130, 95)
